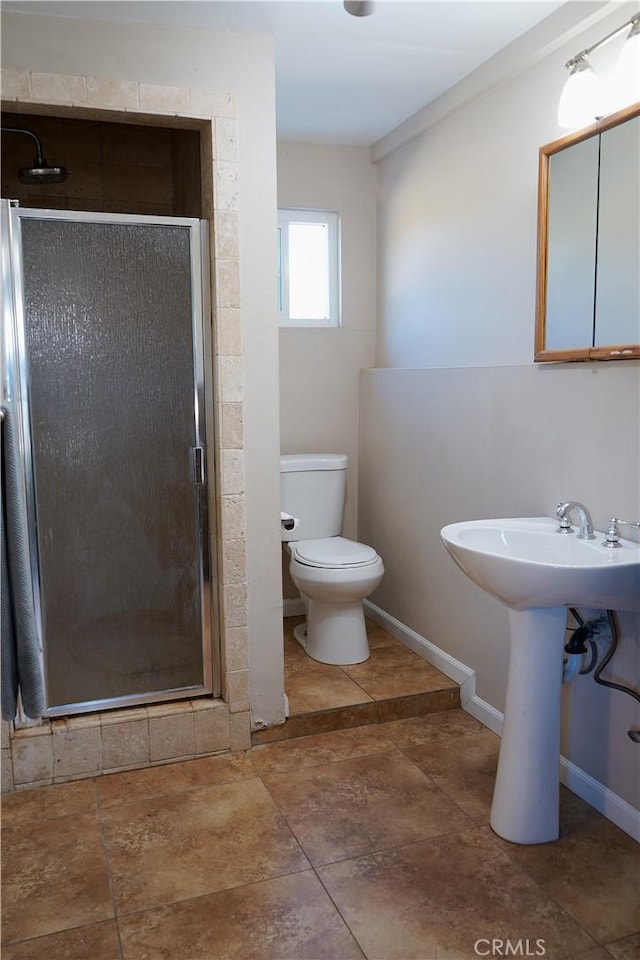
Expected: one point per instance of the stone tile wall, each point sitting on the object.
(86, 745)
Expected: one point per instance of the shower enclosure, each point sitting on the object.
(104, 368)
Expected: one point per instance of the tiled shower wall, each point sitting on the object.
(113, 167)
(96, 743)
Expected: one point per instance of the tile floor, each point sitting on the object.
(394, 683)
(370, 842)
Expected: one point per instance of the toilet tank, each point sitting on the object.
(312, 489)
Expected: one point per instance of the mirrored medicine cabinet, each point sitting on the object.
(588, 299)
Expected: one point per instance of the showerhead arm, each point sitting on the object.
(41, 160)
(40, 172)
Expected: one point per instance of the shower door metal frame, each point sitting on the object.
(18, 380)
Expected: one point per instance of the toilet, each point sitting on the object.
(333, 574)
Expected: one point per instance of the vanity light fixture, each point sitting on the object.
(358, 8)
(627, 75)
(583, 99)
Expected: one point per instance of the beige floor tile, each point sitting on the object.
(384, 658)
(184, 845)
(466, 774)
(432, 728)
(46, 803)
(593, 872)
(576, 813)
(392, 671)
(54, 877)
(312, 686)
(98, 941)
(200, 855)
(351, 807)
(287, 917)
(596, 953)
(291, 646)
(321, 748)
(626, 949)
(437, 898)
(378, 637)
(385, 679)
(172, 778)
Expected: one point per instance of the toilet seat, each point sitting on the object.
(333, 553)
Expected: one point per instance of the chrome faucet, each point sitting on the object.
(612, 538)
(563, 513)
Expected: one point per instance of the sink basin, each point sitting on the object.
(525, 564)
(537, 573)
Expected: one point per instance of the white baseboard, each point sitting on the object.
(486, 714)
(605, 801)
(601, 798)
(293, 607)
(442, 661)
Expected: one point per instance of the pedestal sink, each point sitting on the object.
(537, 573)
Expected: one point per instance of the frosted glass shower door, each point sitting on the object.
(113, 368)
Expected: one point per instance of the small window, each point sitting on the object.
(308, 268)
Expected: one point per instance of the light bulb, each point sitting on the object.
(626, 80)
(358, 8)
(583, 98)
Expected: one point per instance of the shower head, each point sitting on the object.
(40, 171)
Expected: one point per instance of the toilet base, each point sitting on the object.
(334, 632)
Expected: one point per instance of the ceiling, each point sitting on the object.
(339, 78)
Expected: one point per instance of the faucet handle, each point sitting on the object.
(563, 517)
(612, 538)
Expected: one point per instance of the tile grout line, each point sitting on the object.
(339, 912)
(506, 854)
(110, 880)
(173, 793)
(375, 853)
(119, 915)
(321, 763)
(541, 886)
(55, 933)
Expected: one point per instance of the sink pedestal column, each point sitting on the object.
(526, 797)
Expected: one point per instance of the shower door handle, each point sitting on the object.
(197, 465)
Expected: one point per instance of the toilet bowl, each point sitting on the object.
(333, 576)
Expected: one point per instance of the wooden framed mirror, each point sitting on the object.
(588, 297)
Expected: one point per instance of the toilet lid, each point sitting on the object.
(333, 552)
